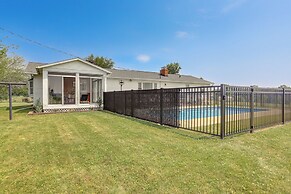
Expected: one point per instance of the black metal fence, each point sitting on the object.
(216, 110)
(160, 106)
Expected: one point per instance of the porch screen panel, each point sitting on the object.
(54, 90)
(96, 89)
(85, 91)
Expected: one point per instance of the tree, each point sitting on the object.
(173, 68)
(285, 87)
(11, 70)
(100, 61)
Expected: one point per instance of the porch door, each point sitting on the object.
(69, 90)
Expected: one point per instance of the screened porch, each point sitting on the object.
(73, 89)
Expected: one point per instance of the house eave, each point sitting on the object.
(71, 60)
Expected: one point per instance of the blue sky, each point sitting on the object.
(242, 42)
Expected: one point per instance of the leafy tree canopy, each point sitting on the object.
(100, 61)
(285, 86)
(11, 69)
(173, 68)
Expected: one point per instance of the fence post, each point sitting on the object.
(10, 101)
(283, 106)
(161, 106)
(114, 101)
(104, 102)
(252, 110)
(124, 102)
(132, 102)
(177, 105)
(222, 111)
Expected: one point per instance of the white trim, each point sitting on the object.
(71, 60)
(77, 88)
(61, 75)
(63, 95)
(91, 90)
(45, 91)
(90, 77)
(56, 106)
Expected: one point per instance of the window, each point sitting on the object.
(155, 86)
(85, 91)
(96, 90)
(31, 87)
(147, 86)
(55, 90)
(139, 86)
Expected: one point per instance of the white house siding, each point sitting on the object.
(37, 88)
(179, 85)
(113, 84)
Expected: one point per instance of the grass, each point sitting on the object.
(105, 153)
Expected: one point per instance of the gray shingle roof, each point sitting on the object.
(133, 74)
(31, 67)
(145, 75)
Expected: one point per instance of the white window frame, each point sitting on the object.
(31, 87)
(141, 85)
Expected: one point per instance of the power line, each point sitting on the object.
(36, 42)
(43, 45)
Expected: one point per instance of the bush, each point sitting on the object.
(20, 91)
(3, 93)
(38, 106)
(26, 99)
(16, 91)
(99, 102)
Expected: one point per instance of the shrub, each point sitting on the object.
(38, 106)
(99, 102)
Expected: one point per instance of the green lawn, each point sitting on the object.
(104, 153)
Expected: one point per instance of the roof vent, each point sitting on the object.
(164, 71)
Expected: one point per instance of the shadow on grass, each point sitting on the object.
(21, 108)
(178, 131)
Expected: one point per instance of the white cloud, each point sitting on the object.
(143, 58)
(233, 4)
(182, 34)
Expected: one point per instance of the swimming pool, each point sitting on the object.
(204, 112)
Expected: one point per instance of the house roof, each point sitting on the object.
(31, 68)
(145, 75)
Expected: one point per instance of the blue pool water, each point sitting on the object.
(204, 112)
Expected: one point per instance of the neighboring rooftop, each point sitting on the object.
(31, 67)
(134, 74)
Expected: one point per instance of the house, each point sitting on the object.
(76, 84)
